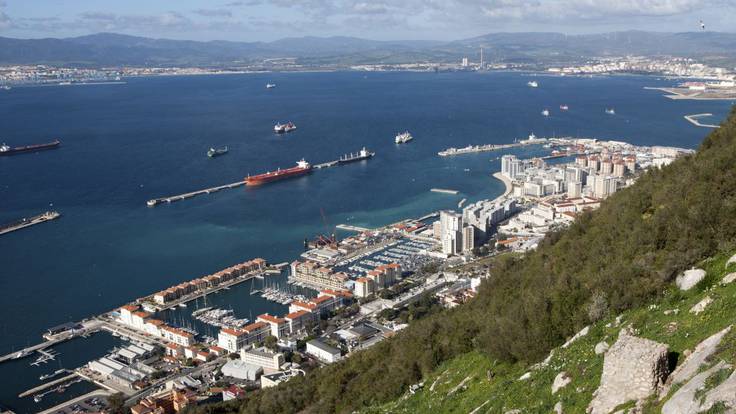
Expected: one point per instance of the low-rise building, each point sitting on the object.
(262, 357)
(279, 326)
(322, 351)
(177, 336)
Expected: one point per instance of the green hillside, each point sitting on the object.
(620, 257)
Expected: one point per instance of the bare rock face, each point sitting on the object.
(684, 400)
(560, 381)
(700, 306)
(689, 278)
(695, 359)
(558, 408)
(633, 369)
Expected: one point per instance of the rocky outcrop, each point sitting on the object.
(633, 369)
(684, 400)
(695, 360)
(561, 380)
(700, 306)
(689, 278)
(558, 408)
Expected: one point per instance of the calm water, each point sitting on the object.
(125, 144)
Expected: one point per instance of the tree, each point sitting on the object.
(271, 342)
(116, 404)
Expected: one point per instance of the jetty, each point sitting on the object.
(47, 385)
(444, 191)
(693, 119)
(490, 147)
(352, 228)
(30, 221)
(170, 199)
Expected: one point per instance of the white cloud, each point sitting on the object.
(213, 12)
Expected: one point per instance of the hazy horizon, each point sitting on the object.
(438, 20)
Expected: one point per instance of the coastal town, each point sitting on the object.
(339, 296)
(674, 67)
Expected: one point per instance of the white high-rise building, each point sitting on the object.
(465, 62)
(511, 166)
(451, 225)
(468, 238)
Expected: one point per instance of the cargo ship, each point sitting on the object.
(284, 128)
(7, 150)
(363, 154)
(270, 85)
(302, 167)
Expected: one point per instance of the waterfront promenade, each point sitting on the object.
(506, 182)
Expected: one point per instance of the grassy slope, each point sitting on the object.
(505, 391)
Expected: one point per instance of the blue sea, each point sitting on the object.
(147, 138)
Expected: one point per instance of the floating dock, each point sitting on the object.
(444, 191)
(27, 222)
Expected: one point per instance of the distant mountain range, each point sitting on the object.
(110, 49)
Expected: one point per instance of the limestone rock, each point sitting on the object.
(729, 278)
(633, 369)
(725, 393)
(516, 411)
(601, 347)
(684, 401)
(558, 407)
(577, 336)
(526, 376)
(695, 359)
(560, 381)
(731, 260)
(689, 278)
(700, 306)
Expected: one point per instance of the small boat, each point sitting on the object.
(532, 84)
(37, 398)
(403, 137)
(610, 111)
(545, 112)
(564, 107)
(270, 85)
(21, 354)
(5, 87)
(284, 128)
(212, 152)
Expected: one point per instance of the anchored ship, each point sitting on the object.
(532, 84)
(270, 85)
(284, 128)
(6, 150)
(212, 152)
(403, 137)
(610, 111)
(363, 154)
(302, 167)
(564, 107)
(545, 112)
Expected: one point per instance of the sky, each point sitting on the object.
(266, 20)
